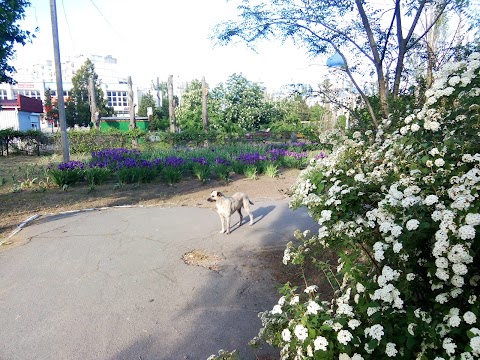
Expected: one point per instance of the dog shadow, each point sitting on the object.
(258, 215)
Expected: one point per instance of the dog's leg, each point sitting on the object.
(246, 206)
(228, 224)
(223, 226)
(241, 217)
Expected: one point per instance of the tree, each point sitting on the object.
(51, 110)
(362, 34)
(242, 104)
(78, 107)
(189, 112)
(10, 34)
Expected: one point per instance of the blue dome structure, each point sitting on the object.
(335, 61)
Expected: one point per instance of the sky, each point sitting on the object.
(153, 39)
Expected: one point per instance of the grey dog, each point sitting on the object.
(227, 205)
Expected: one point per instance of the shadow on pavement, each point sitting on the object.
(223, 312)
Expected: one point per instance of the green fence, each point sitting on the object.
(122, 124)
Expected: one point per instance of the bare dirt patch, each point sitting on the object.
(201, 258)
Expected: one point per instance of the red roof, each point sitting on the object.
(23, 103)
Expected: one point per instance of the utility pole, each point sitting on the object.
(58, 71)
(171, 105)
(92, 97)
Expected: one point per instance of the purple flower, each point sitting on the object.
(71, 165)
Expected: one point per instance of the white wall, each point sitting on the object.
(9, 120)
(19, 120)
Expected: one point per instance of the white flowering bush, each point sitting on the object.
(400, 207)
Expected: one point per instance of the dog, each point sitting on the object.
(227, 205)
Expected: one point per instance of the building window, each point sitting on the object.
(117, 98)
(3, 94)
(66, 93)
(35, 94)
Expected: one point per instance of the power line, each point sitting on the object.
(68, 25)
(104, 18)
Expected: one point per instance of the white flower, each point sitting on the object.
(410, 276)
(460, 269)
(326, 215)
(415, 127)
(412, 224)
(337, 326)
(343, 356)
(344, 337)
(466, 232)
(311, 289)
(472, 219)
(313, 308)
(434, 152)
(372, 310)
(375, 332)
(470, 318)
(301, 332)
(320, 343)
(439, 162)
(410, 328)
(357, 357)
(454, 321)
(353, 324)
(441, 262)
(430, 200)
(286, 335)
(295, 300)
(277, 309)
(397, 246)
(475, 345)
(457, 281)
(360, 288)
(441, 298)
(449, 346)
(458, 254)
(390, 350)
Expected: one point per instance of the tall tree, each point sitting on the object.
(11, 11)
(77, 106)
(362, 33)
(189, 112)
(243, 103)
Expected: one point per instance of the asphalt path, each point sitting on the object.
(112, 284)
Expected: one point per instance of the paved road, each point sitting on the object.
(111, 284)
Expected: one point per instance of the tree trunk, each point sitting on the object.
(92, 97)
(171, 105)
(133, 121)
(204, 105)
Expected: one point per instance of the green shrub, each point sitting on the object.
(96, 175)
(401, 208)
(202, 172)
(251, 172)
(66, 174)
(222, 171)
(271, 170)
(171, 174)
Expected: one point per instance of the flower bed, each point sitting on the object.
(133, 166)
